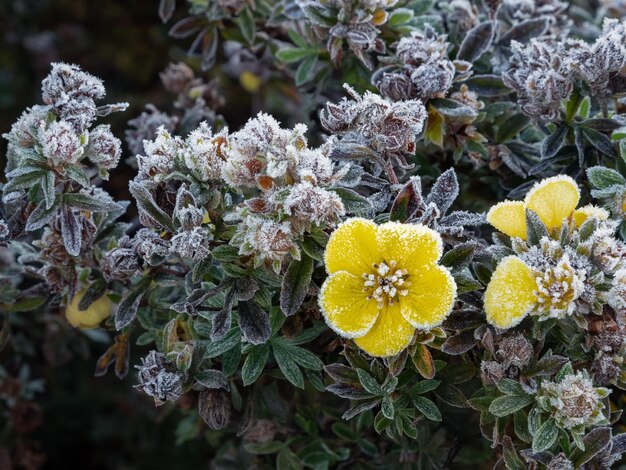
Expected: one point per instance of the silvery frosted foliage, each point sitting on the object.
(355, 23)
(540, 74)
(460, 15)
(120, 263)
(560, 462)
(103, 148)
(598, 63)
(60, 144)
(157, 381)
(149, 246)
(388, 130)
(420, 68)
(195, 102)
(4, 230)
(203, 153)
(144, 127)
(24, 133)
(573, 401)
(291, 180)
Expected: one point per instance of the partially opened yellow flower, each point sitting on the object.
(553, 199)
(383, 283)
(98, 311)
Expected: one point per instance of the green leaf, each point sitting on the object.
(535, 228)
(509, 404)
(254, 363)
(89, 203)
(602, 178)
(600, 141)
(247, 25)
(304, 73)
(369, 383)
(287, 365)
(25, 178)
(230, 340)
(48, 189)
(41, 215)
(511, 128)
(552, 143)
(476, 42)
(353, 202)
(427, 408)
(452, 108)
(295, 285)
(424, 386)
(400, 16)
(386, 406)
(490, 86)
(127, 309)
(509, 455)
(460, 256)
(292, 54)
(594, 442)
(546, 435)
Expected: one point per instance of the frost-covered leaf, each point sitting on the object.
(41, 215)
(147, 203)
(254, 322)
(71, 230)
(444, 192)
(295, 284)
(89, 203)
(212, 379)
(476, 42)
(408, 201)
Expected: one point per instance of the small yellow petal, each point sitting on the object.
(509, 218)
(411, 246)
(430, 299)
(390, 334)
(553, 199)
(510, 293)
(345, 306)
(352, 247)
(582, 214)
(90, 318)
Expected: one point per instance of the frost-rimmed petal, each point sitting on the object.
(553, 199)
(412, 246)
(510, 294)
(509, 217)
(352, 247)
(430, 297)
(98, 311)
(390, 334)
(345, 306)
(583, 213)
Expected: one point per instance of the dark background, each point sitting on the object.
(90, 422)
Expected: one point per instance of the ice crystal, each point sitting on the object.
(617, 295)
(312, 204)
(160, 155)
(541, 76)
(61, 145)
(265, 238)
(103, 148)
(389, 129)
(145, 127)
(120, 263)
(157, 381)
(192, 244)
(203, 152)
(424, 70)
(515, 351)
(148, 244)
(595, 63)
(573, 401)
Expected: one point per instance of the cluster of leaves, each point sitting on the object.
(217, 281)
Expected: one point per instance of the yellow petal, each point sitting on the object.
(510, 293)
(553, 199)
(345, 306)
(582, 214)
(390, 334)
(509, 218)
(430, 299)
(412, 246)
(352, 247)
(90, 318)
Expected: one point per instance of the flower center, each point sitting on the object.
(386, 284)
(558, 287)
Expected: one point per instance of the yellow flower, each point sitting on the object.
(510, 295)
(383, 283)
(582, 214)
(93, 316)
(553, 199)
